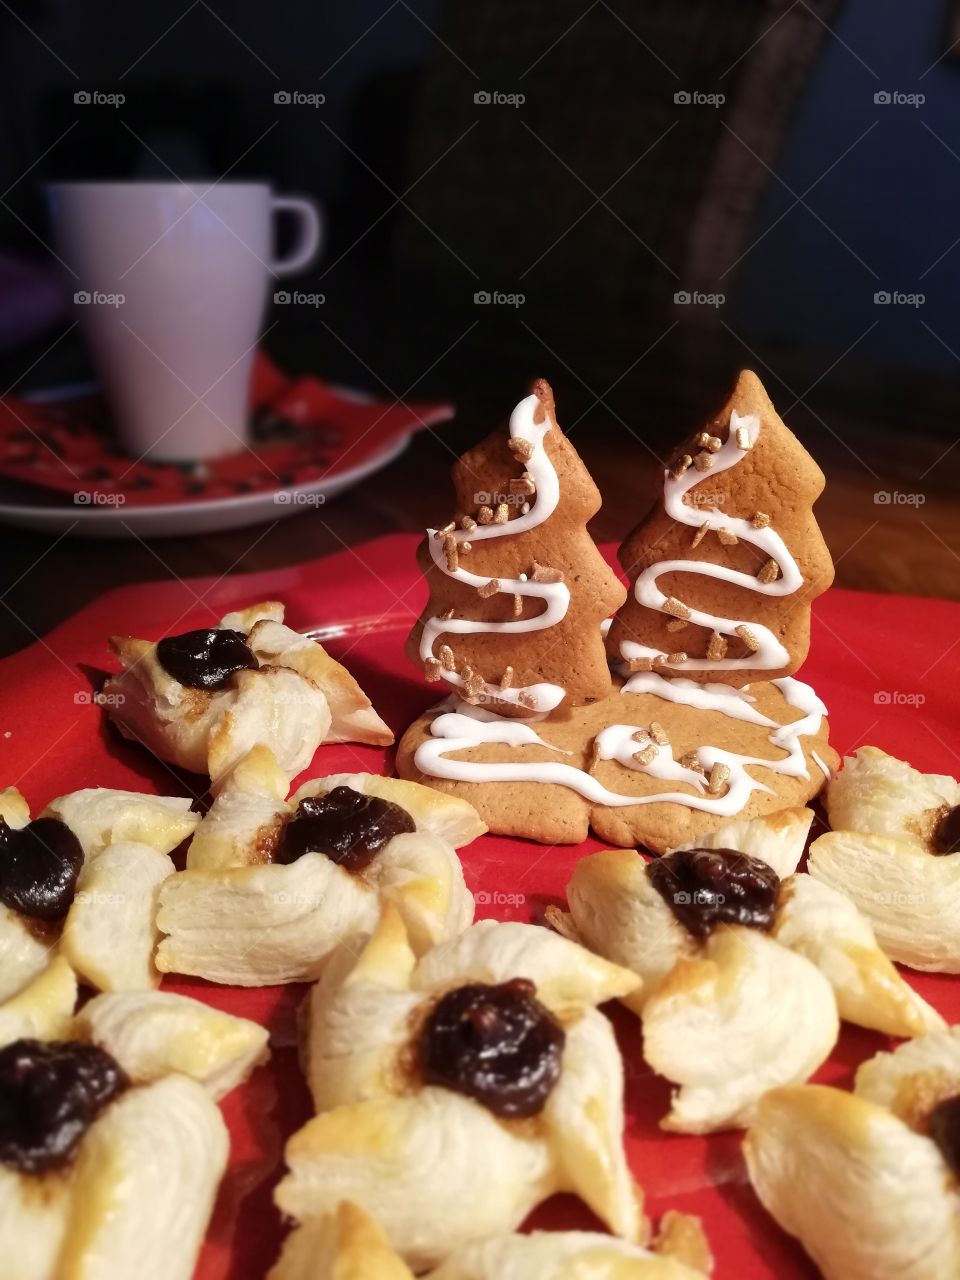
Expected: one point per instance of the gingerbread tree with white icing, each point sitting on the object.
(517, 586)
(725, 566)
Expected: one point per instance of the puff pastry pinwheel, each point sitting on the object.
(349, 1245)
(895, 851)
(201, 700)
(868, 1181)
(778, 839)
(744, 976)
(108, 1172)
(272, 886)
(463, 1089)
(78, 899)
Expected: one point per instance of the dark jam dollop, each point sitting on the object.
(497, 1044)
(707, 887)
(39, 865)
(944, 1123)
(946, 837)
(50, 1094)
(206, 659)
(349, 827)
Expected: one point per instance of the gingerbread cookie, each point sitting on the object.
(656, 762)
(725, 566)
(675, 744)
(517, 587)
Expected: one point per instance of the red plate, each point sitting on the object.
(884, 665)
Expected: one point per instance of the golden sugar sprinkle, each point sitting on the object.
(658, 733)
(451, 552)
(677, 659)
(466, 546)
(468, 524)
(489, 589)
(760, 520)
(445, 532)
(640, 664)
(485, 515)
(719, 776)
(502, 513)
(717, 647)
(743, 438)
(446, 615)
(676, 607)
(683, 463)
(527, 700)
(769, 572)
(542, 573)
(701, 533)
(447, 660)
(727, 537)
(647, 755)
(431, 669)
(703, 461)
(677, 624)
(517, 606)
(748, 638)
(521, 449)
(522, 485)
(506, 680)
(692, 761)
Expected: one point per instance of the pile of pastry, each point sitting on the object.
(461, 1073)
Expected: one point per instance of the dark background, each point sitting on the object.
(793, 195)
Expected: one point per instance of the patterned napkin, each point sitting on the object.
(302, 430)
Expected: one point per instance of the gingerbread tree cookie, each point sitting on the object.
(726, 565)
(518, 588)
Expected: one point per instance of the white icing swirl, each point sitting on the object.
(770, 653)
(469, 727)
(540, 697)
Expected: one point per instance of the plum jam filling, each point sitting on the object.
(206, 659)
(347, 826)
(944, 1123)
(707, 887)
(946, 837)
(39, 865)
(50, 1094)
(496, 1044)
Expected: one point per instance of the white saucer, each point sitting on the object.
(180, 519)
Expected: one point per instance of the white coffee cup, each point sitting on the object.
(170, 281)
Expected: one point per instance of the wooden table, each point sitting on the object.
(897, 546)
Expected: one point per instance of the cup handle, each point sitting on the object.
(308, 241)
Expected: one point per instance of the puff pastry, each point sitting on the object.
(135, 1196)
(393, 1144)
(103, 929)
(153, 1034)
(738, 1010)
(886, 854)
(778, 839)
(235, 916)
(349, 1245)
(857, 1178)
(291, 697)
